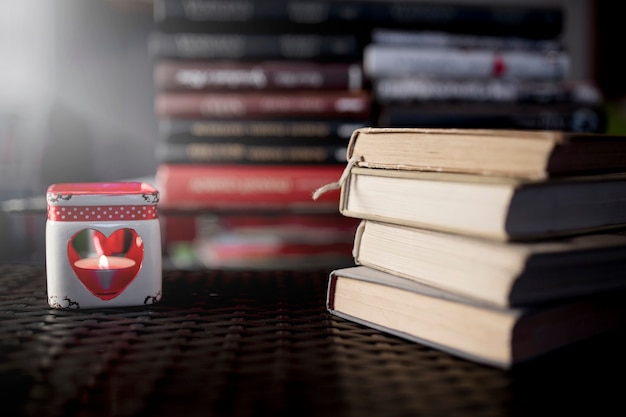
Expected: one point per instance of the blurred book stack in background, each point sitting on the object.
(208, 52)
(255, 106)
(483, 76)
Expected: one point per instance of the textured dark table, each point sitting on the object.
(261, 343)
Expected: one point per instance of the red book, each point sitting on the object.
(246, 187)
(246, 105)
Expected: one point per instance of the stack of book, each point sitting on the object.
(481, 79)
(256, 99)
(496, 245)
(255, 106)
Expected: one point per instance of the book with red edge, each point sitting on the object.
(239, 187)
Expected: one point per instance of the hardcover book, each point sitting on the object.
(182, 130)
(238, 187)
(381, 60)
(256, 76)
(303, 105)
(513, 153)
(451, 40)
(539, 22)
(504, 274)
(500, 208)
(496, 336)
(416, 89)
(253, 151)
(269, 242)
(259, 241)
(255, 46)
(566, 117)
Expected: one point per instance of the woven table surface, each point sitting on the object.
(228, 343)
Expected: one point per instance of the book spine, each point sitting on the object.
(257, 76)
(240, 152)
(449, 40)
(525, 21)
(408, 89)
(184, 130)
(537, 22)
(393, 61)
(246, 187)
(240, 46)
(266, 105)
(587, 119)
(249, 11)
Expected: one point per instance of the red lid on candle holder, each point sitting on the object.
(102, 201)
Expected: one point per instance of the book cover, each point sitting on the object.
(497, 208)
(567, 117)
(402, 60)
(499, 273)
(238, 187)
(427, 90)
(255, 46)
(308, 105)
(499, 337)
(182, 130)
(452, 40)
(256, 76)
(514, 153)
(538, 22)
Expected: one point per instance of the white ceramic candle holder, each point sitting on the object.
(103, 245)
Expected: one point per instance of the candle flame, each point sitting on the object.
(103, 261)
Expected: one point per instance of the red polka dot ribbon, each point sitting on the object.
(101, 213)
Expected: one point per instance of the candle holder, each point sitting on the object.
(103, 245)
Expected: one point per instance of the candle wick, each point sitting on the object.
(103, 262)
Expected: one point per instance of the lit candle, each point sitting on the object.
(116, 219)
(105, 268)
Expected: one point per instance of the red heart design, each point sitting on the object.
(105, 265)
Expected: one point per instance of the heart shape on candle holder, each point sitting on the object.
(106, 265)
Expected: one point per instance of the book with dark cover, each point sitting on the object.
(254, 15)
(447, 39)
(256, 76)
(569, 117)
(186, 130)
(495, 336)
(255, 46)
(250, 105)
(254, 151)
